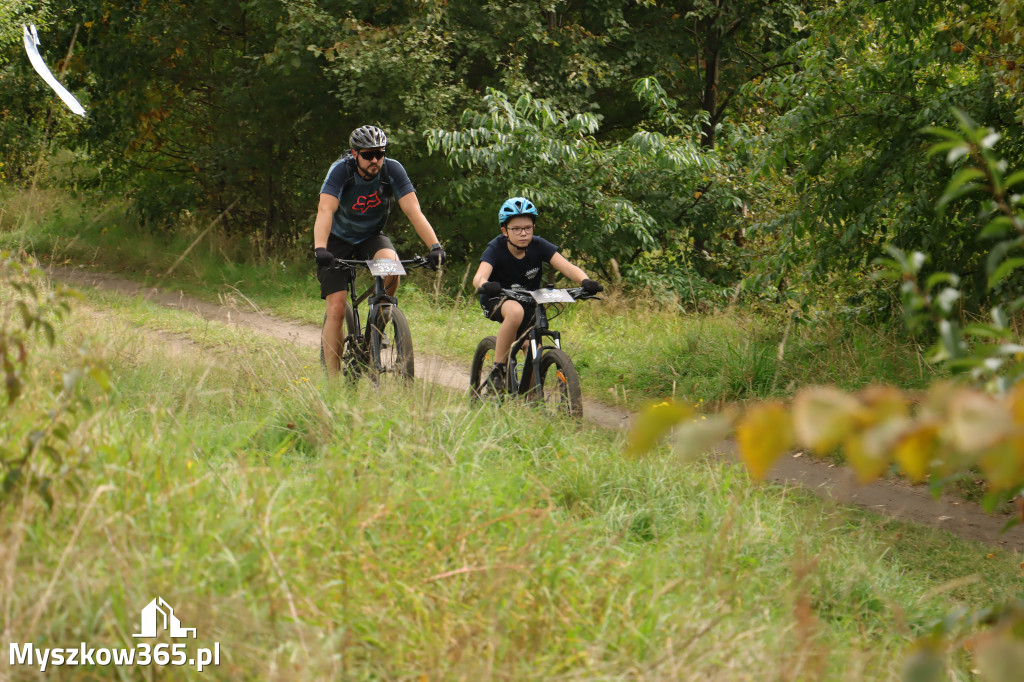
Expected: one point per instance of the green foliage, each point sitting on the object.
(952, 430)
(31, 117)
(206, 105)
(870, 77)
(609, 200)
(210, 106)
(41, 426)
(733, 44)
(992, 40)
(991, 351)
(13, 15)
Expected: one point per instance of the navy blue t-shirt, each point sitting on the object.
(362, 211)
(518, 273)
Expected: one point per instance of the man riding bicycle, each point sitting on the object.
(514, 260)
(355, 202)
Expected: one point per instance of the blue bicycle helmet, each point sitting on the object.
(513, 207)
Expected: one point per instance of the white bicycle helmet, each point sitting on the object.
(367, 137)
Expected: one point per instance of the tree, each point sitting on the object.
(13, 14)
(971, 427)
(734, 43)
(869, 78)
(201, 104)
(609, 200)
(26, 98)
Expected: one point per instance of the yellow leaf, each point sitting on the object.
(884, 402)
(869, 452)
(1003, 466)
(764, 433)
(977, 421)
(697, 436)
(823, 417)
(653, 423)
(916, 449)
(1016, 401)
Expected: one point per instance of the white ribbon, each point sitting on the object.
(31, 39)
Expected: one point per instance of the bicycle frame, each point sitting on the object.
(376, 294)
(534, 336)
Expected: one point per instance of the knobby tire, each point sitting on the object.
(396, 357)
(559, 385)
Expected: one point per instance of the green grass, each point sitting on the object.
(628, 350)
(340, 531)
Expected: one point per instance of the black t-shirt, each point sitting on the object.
(518, 273)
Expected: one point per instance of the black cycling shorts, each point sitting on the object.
(333, 280)
(492, 311)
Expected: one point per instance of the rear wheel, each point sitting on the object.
(559, 385)
(391, 344)
(480, 370)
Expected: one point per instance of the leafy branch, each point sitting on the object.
(28, 309)
(953, 429)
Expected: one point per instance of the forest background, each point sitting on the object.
(691, 147)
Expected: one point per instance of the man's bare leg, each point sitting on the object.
(333, 335)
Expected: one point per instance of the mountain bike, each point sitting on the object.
(538, 368)
(384, 346)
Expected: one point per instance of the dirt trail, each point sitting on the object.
(894, 498)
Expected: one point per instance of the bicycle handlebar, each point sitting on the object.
(523, 296)
(415, 262)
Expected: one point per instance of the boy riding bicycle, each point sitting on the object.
(514, 260)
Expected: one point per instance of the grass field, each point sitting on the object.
(321, 530)
(337, 531)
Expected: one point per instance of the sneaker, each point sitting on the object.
(496, 381)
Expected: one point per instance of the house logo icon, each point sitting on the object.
(158, 611)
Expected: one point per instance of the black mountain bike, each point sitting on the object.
(538, 368)
(384, 347)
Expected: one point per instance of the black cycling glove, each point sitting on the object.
(436, 257)
(490, 289)
(324, 258)
(591, 287)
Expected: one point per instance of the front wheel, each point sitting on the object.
(559, 385)
(391, 344)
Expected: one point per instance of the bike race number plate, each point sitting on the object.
(385, 267)
(552, 296)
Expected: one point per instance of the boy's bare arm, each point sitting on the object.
(558, 262)
(483, 273)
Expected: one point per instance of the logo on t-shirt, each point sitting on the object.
(532, 272)
(366, 202)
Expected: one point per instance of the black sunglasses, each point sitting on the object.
(372, 156)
